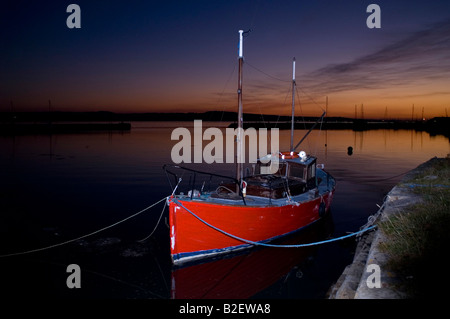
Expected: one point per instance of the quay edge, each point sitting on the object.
(352, 284)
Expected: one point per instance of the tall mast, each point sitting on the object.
(239, 149)
(293, 105)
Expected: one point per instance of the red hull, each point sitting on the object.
(192, 239)
(244, 275)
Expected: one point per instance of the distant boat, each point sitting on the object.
(56, 128)
(247, 210)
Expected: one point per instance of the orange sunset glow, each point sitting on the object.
(156, 57)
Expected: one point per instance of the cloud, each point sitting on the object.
(418, 65)
(421, 56)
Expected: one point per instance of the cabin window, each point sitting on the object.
(311, 171)
(265, 168)
(297, 171)
(282, 169)
(311, 178)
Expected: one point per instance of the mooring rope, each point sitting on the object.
(156, 226)
(84, 236)
(271, 245)
(427, 185)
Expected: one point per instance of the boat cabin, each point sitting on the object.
(282, 177)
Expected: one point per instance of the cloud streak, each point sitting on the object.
(421, 56)
(416, 66)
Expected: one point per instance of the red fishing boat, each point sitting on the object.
(238, 213)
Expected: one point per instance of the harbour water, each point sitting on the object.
(54, 188)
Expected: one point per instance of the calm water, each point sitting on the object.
(60, 187)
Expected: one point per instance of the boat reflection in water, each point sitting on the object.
(241, 276)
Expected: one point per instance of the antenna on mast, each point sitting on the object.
(240, 154)
(293, 105)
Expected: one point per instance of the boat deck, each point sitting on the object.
(326, 183)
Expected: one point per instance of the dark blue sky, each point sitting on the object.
(143, 56)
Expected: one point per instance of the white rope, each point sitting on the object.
(161, 215)
(157, 224)
(84, 236)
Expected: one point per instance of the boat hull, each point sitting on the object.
(241, 276)
(195, 225)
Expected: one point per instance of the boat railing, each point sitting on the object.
(176, 174)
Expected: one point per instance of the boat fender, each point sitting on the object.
(196, 193)
(322, 208)
(244, 188)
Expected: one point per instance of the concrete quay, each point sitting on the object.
(353, 282)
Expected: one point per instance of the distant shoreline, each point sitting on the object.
(101, 116)
(29, 122)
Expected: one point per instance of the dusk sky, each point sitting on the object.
(181, 56)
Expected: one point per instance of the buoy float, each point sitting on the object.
(288, 155)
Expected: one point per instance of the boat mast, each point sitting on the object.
(239, 149)
(293, 105)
